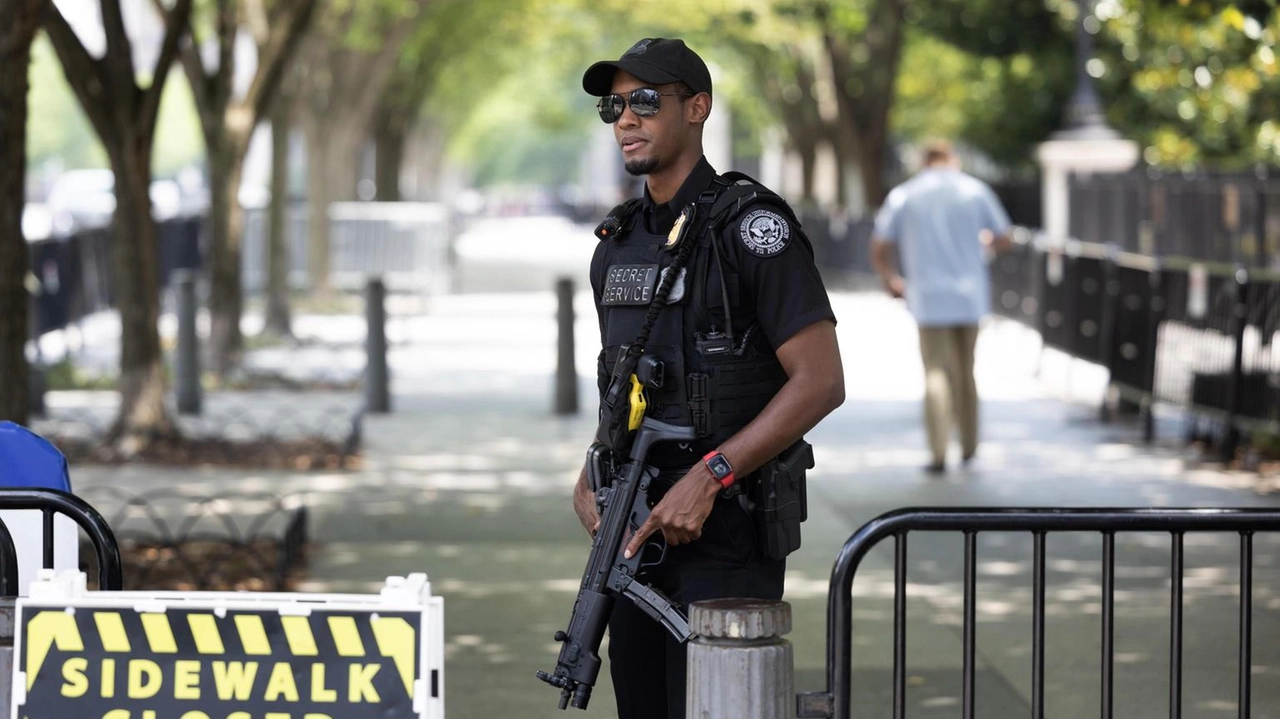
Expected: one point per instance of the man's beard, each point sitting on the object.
(642, 167)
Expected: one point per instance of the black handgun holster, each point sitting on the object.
(779, 502)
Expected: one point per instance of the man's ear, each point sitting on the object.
(698, 107)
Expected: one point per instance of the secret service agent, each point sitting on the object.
(745, 342)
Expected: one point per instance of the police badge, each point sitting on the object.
(679, 229)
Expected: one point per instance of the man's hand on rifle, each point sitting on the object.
(584, 503)
(682, 511)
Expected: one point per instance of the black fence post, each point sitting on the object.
(36, 384)
(1239, 319)
(1155, 314)
(566, 373)
(187, 362)
(1110, 299)
(376, 380)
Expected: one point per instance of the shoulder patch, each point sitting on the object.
(764, 232)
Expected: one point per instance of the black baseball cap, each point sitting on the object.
(656, 60)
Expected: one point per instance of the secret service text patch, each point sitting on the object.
(629, 285)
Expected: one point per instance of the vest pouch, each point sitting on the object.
(779, 501)
(740, 389)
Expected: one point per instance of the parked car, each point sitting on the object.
(83, 199)
(80, 199)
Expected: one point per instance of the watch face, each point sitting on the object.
(719, 466)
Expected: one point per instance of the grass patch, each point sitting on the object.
(65, 375)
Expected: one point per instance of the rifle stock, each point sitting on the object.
(624, 505)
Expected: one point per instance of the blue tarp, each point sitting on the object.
(29, 460)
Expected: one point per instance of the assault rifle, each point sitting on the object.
(624, 506)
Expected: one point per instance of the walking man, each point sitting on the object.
(939, 221)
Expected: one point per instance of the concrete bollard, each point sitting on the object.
(35, 390)
(377, 392)
(8, 614)
(739, 664)
(187, 362)
(566, 373)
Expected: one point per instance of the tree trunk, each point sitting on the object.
(845, 145)
(871, 165)
(808, 152)
(331, 177)
(226, 226)
(864, 90)
(277, 320)
(390, 137)
(136, 269)
(317, 208)
(18, 23)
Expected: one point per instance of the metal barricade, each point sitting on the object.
(406, 243)
(836, 701)
(52, 502)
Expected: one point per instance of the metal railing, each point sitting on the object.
(1214, 217)
(52, 502)
(206, 543)
(407, 243)
(836, 701)
(1200, 336)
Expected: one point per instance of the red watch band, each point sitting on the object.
(726, 480)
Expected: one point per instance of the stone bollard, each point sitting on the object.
(566, 373)
(187, 362)
(377, 392)
(739, 664)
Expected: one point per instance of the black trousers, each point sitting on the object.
(647, 665)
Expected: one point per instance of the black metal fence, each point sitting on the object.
(1199, 336)
(836, 700)
(178, 541)
(74, 273)
(1232, 218)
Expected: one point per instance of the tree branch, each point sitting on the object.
(193, 67)
(259, 24)
(275, 55)
(84, 74)
(119, 58)
(222, 81)
(192, 63)
(380, 66)
(177, 24)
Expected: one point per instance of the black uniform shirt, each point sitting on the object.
(772, 279)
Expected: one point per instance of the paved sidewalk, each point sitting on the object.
(469, 480)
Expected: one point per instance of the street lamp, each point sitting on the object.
(1084, 117)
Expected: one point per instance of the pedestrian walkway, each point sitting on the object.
(469, 479)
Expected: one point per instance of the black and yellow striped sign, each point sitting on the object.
(188, 663)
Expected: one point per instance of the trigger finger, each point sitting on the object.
(638, 538)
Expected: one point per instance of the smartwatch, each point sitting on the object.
(720, 468)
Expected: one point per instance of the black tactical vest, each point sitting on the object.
(707, 383)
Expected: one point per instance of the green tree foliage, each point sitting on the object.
(1196, 81)
(504, 86)
(994, 74)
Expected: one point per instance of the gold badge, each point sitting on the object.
(677, 230)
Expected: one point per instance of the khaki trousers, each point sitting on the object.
(950, 392)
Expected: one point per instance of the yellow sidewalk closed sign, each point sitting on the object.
(222, 656)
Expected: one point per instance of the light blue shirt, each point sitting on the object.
(936, 219)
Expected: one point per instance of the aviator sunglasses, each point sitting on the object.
(644, 102)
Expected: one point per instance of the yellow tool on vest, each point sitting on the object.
(638, 404)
